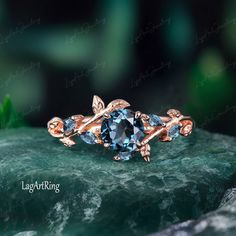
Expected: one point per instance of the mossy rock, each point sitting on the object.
(185, 179)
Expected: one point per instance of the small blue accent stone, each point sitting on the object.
(88, 137)
(155, 120)
(122, 130)
(125, 156)
(174, 131)
(69, 125)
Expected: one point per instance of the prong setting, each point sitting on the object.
(117, 158)
(106, 145)
(138, 114)
(106, 116)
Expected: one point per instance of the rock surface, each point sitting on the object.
(218, 223)
(185, 179)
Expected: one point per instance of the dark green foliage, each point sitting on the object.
(9, 117)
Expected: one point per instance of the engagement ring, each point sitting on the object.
(120, 129)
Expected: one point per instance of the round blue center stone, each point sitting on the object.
(122, 130)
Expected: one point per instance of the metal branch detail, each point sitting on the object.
(121, 129)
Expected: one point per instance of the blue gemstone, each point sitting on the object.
(174, 131)
(155, 120)
(88, 137)
(69, 125)
(122, 130)
(125, 156)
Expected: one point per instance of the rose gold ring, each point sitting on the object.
(120, 129)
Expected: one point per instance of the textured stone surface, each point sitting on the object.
(185, 179)
(218, 223)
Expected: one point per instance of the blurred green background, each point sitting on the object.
(55, 55)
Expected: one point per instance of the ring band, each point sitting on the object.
(120, 129)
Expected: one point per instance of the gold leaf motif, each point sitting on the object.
(98, 104)
(117, 104)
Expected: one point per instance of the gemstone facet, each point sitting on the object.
(174, 131)
(122, 131)
(69, 125)
(155, 120)
(88, 137)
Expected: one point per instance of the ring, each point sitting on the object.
(120, 129)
